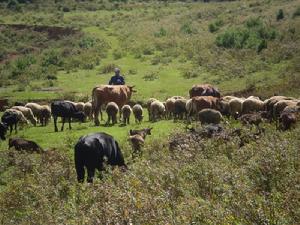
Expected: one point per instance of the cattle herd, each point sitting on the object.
(205, 104)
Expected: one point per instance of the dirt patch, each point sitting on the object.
(53, 32)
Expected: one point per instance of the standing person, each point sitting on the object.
(117, 79)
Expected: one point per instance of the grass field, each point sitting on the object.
(163, 48)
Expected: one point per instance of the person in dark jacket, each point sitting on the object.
(117, 79)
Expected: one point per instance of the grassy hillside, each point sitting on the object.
(62, 49)
(234, 45)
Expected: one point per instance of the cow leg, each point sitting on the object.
(69, 119)
(10, 128)
(97, 109)
(91, 174)
(55, 123)
(16, 130)
(63, 123)
(80, 171)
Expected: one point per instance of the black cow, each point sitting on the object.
(23, 144)
(65, 110)
(3, 129)
(90, 152)
(10, 119)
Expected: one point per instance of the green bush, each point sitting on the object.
(280, 15)
(215, 26)
(161, 33)
(252, 36)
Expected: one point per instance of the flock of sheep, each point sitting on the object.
(207, 109)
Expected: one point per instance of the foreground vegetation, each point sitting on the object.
(62, 49)
(201, 181)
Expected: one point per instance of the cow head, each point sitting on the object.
(131, 89)
(80, 116)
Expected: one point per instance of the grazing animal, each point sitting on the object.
(27, 113)
(149, 102)
(112, 110)
(3, 130)
(204, 90)
(41, 112)
(137, 139)
(269, 103)
(126, 112)
(210, 116)
(91, 151)
(88, 110)
(23, 144)
(12, 117)
(138, 113)
(65, 110)
(252, 104)
(180, 109)
(103, 94)
(235, 106)
(203, 102)
(251, 119)
(157, 110)
(281, 105)
(286, 120)
(170, 106)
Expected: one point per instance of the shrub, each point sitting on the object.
(108, 68)
(186, 28)
(190, 73)
(297, 12)
(252, 36)
(161, 33)
(215, 26)
(151, 76)
(279, 15)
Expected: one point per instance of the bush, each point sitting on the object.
(252, 36)
(279, 15)
(108, 68)
(161, 33)
(186, 28)
(215, 26)
(151, 76)
(297, 12)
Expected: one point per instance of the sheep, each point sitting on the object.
(235, 106)
(126, 112)
(137, 139)
(149, 102)
(189, 108)
(21, 118)
(41, 112)
(286, 120)
(138, 113)
(269, 103)
(23, 144)
(228, 98)
(210, 116)
(157, 110)
(281, 105)
(252, 104)
(27, 113)
(170, 105)
(251, 119)
(179, 108)
(112, 110)
(78, 105)
(88, 110)
(224, 107)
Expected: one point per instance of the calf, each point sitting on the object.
(137, 139)
(65, 110)
(90, 151)
(23, 144)
(11, 119)
(3, 129)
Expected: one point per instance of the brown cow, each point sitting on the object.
(102, 94)
(203, 102)
(204, 90)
